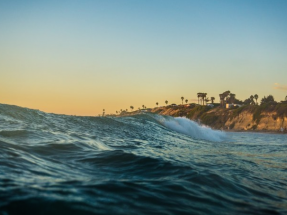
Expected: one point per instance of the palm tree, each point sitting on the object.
(143, 106)
(116, 112)
(166, 102)
(212, 99)
(206, 100)
(186, 100)
(198, 96)
(182, 98)
(256, 97)
(203, 97)
(251, 98)
(132, 107)
(156, 104)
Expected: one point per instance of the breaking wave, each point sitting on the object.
(191, 128)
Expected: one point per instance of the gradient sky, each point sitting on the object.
(78, 57)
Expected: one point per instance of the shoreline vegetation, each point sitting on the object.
(269, 116)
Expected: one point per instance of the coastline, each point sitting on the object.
(245, 119)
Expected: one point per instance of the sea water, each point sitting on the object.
(141, 164)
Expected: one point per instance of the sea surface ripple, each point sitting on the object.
(141, 164)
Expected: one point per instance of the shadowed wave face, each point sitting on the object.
(143, 164)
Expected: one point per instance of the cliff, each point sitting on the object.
(268, 117)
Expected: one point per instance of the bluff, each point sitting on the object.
(267, 117)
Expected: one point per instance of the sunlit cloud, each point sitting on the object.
(280, 87)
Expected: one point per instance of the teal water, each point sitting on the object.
(144, 164)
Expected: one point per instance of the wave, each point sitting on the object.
(45, 121)
(191, 128)
(13, 133)
(141, 164)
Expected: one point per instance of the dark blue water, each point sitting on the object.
(144, 164)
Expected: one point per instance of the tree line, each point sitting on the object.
(225, 98)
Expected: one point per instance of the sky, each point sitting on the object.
(80, 57)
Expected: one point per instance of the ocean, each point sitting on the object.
(140, 164)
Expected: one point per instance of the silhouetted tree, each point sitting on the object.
(206, 100)
(222, 97)
(186, 100)
(256, 97)
(132, 107)
(143, 106)
(212, 99)
(166, 102)
(203, 97)
(267, 99)
(198, 96)
(182, 98)
(156, 104)
(251, 98)
(247, 101)
(231, 98)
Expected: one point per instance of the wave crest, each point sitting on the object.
(191, 128)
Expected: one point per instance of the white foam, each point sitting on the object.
(191, 128)
(98, 144)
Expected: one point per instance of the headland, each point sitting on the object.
(268, 117)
